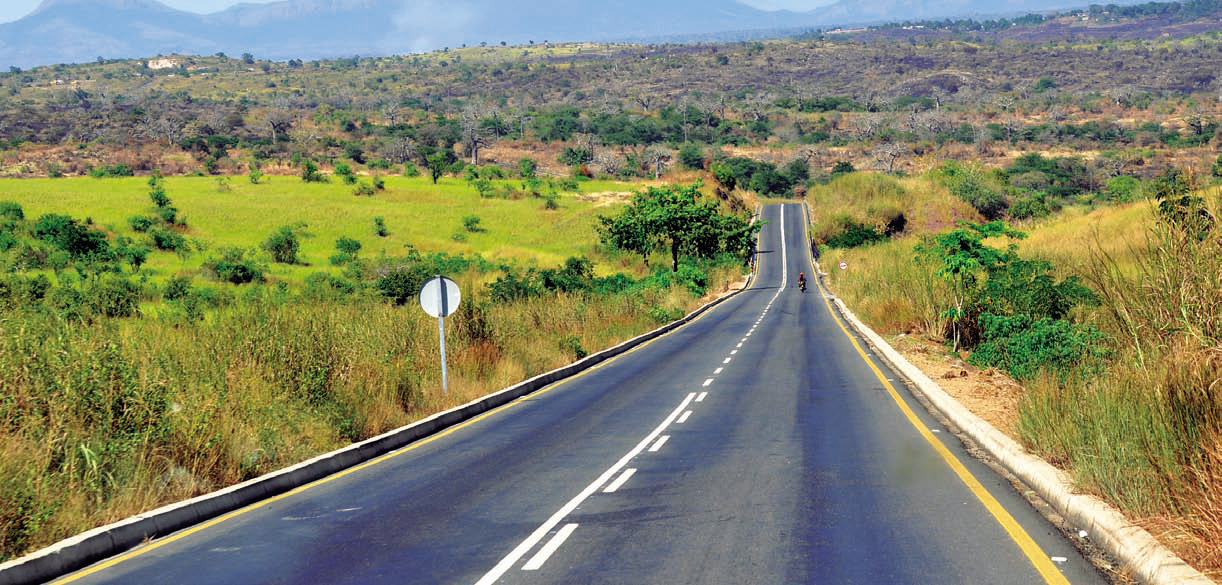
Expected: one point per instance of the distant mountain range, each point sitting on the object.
(74, 31)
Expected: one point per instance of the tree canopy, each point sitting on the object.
(674, 217)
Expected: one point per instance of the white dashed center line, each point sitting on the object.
(549, 548)
(717, 371)
(621, 480)
(725, 361)
(701, 397)
(707, 382)
(683, 418)
(658, 444)
(511, 559)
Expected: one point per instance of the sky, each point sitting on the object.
(11, 10)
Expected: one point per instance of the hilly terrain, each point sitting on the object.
(75, 31)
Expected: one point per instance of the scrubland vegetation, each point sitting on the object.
(207, 271)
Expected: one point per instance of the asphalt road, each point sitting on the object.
(754, 445)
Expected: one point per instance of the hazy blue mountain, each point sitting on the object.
(70, 31)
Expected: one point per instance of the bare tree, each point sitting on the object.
(645, 100)
(400, 150)
(656, 158)
(610, 163)
(474, 136)
(391, 111)
(886, 154)
(278, 123)
(165, 128)
(757, 104)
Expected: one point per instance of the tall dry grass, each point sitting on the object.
(1147, 434)
(102, 421)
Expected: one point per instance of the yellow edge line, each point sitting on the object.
(156, 544)
(1034, 553)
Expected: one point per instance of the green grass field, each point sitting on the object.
(416, 212)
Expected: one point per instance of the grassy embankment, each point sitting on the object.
(1146, 432)
(107, 417)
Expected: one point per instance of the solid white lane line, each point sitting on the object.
(701, 397)
(623, 478)
(707, 382)
(549, 548)
(717, 371)
(683, 419)
(658, 444)
(519, 551)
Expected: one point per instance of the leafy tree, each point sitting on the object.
(691, 157)
(673, 217)
(961, 258)
(379, 227)
(471, 223)
(438, 164)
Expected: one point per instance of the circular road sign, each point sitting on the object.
(432, 300)
(844, 265)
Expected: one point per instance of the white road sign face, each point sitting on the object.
(844, 265)
(431, 299)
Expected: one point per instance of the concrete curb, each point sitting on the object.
(1134, 547)
(84, 549)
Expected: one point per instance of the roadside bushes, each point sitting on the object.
(972, 186)
(1007, 304)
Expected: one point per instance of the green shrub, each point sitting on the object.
(235, 268)
(114, 297)
(364, 190)
(1122, 189)
(177, 287)
(347, 248)
(166, 240)
(322, 285)
(344, 172)
(283, 245)
(140, 223)
(310, 174)
(576, 156)
(471, 223)
(852, 234)
(1022, 347)
(65, 233)
(11, 210)
(1030, 207)
(379, 227)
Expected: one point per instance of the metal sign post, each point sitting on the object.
(440, 298)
